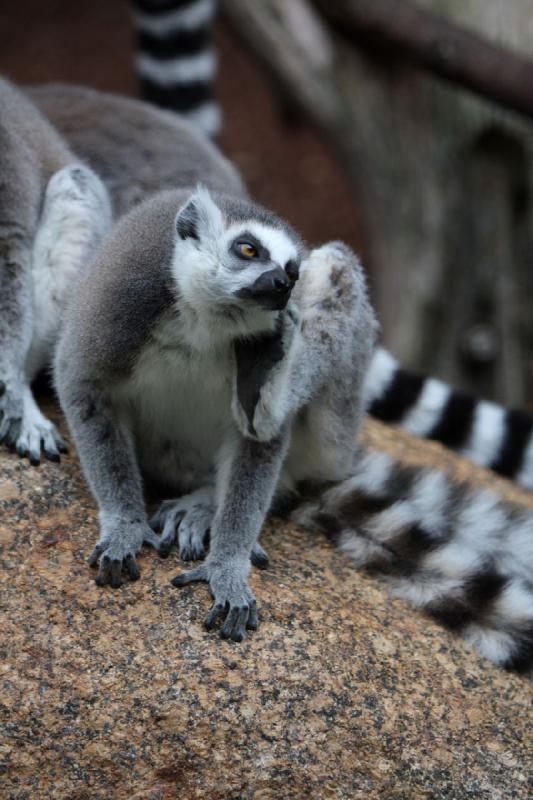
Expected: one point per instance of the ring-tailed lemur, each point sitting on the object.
(53, 211)
(177, 64)
(183, 364)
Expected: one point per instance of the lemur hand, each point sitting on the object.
(234, 601)
(24, 428)
(119, 543)
(263, 371)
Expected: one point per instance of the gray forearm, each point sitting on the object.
(15, 299)
(249, 480)
(106, 450)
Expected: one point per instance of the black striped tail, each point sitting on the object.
(459, 553)
(175, 58)
(494, 437)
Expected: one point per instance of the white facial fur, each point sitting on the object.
(208, 273)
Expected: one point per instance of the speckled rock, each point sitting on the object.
(343, 692)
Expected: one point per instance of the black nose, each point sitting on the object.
(271, 289)
(274, 282)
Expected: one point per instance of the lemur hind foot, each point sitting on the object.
(186, 522)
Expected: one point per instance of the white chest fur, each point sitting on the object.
(178, 404)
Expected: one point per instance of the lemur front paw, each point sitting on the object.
(25, 429)
(115, 552)
(38, 437)
(263, 379)
(234, 602)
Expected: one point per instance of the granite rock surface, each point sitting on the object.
(343, 692)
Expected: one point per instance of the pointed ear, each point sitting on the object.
(199, 217)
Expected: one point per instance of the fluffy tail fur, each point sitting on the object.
(175, 60)
(494, 437)
(460, 553)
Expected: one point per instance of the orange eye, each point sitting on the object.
(247, 250)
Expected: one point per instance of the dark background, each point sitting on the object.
(91, 42)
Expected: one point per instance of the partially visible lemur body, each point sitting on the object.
(459, 553)
(53, 211)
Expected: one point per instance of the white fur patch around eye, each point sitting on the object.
(280, 246)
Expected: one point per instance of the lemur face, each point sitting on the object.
(263, 263)
(235, 255)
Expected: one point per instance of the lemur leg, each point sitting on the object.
(76, 215)
(248, 476)
(105, 445)
(19, 207)
(186, 522)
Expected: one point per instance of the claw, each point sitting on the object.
(22, 449)
(164, 549)
(239, 630)
(226, 630)
(131, 566)
(115, 573)
(191, 553)
(252, 622)
(234, 626)
(215, 612)
(103, 573)
(259, 558)
(95, 555)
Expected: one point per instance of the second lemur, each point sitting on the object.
(54, 210)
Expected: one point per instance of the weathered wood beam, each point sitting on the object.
(269, 32)
(440, 46)
(263, 30)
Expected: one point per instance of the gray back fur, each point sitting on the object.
(140, 150)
